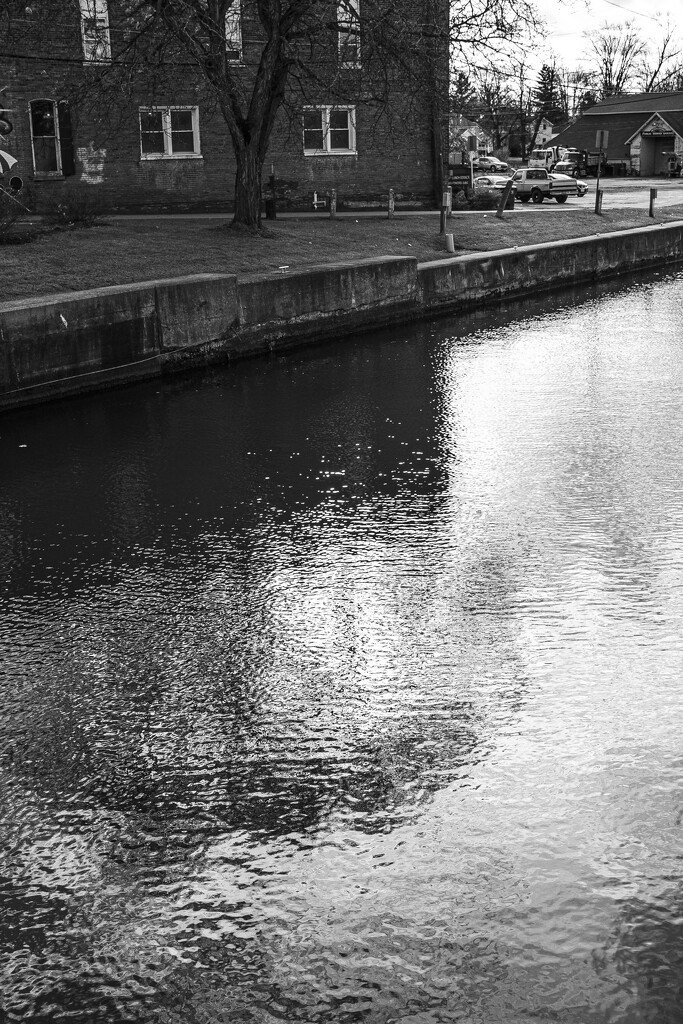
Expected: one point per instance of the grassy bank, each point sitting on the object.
(124, 251)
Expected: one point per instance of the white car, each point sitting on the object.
(493, 184)
(491, 163)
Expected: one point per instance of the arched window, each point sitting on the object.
(51, 138)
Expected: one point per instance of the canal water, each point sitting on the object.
(346, 686)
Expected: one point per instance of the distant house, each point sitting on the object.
(645, 131)
(544, 133)
(466, 135)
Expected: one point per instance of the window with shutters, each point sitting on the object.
(329, 131)
(348, 33)
(95, 31)
(169, 133)
(51, 140)
(233, 33)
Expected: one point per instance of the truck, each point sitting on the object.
(537, 184)
(547, 156)
(579, 163)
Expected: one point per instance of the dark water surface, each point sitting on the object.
(347, 686)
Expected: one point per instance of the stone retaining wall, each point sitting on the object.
(78, 341)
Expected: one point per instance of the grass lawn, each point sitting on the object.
(123, 251)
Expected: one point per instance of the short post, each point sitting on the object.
(504, 199)
(598, 201)
(653, 196)
(447, 201)
(442, 221)
(450, 245)
(390, 210)
(333, 203)
(271, 206)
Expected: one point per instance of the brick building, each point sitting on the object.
(163, 144)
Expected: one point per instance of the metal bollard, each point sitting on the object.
(333, 203)
(598, 201)
(450, 245)
(390, 212)
(653, 196)
(442, 221)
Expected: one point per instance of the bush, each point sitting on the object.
(484, 201)
(76, 206)
(460, 201)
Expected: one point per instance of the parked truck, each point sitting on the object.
(546, 156)
(537, 184)
(579, 163)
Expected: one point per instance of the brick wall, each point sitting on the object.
(393, 149)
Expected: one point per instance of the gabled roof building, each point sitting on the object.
(645, 131)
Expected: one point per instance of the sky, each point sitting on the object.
(568, 19)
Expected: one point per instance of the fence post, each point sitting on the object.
(333, 203)
(653, 196)
(390, 212)
(504, 199)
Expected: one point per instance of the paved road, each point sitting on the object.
(622, 193)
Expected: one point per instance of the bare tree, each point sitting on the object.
(662, 62)
(296, 53)
(615, 50)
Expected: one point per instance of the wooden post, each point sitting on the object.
(653, 196)
(504, 199)
(333, 203)
(601, 140)
(390, 212)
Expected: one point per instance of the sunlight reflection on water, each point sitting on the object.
(345, 686)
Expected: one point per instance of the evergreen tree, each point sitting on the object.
(549, 96)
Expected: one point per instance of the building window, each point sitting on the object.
(95, 31)
(329, 130)
(169, 133)
(348, 29)
(51, 139)
(233, 32)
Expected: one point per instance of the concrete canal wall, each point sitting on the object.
(78, 341)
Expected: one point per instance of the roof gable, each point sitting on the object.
(650, 121)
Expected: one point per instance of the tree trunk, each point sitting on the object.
(248, 187)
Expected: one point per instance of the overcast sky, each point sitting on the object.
(569, 19)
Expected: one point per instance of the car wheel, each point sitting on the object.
(536, 195)
(560, 199)
(524, 199)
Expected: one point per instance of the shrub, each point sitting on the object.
(76, 206)
(460, 201)
(484, 201)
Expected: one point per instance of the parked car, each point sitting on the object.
(582, 188)
(493, 184)
(491, 163)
